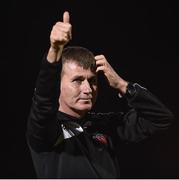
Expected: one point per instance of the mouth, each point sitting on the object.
(85, 99)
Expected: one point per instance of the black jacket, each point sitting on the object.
(66, 147)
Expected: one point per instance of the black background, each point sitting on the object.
(139, 39)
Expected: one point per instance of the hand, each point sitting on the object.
(60, 35)
(61, 32)
(115, 81)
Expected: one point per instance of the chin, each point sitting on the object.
(86, 107)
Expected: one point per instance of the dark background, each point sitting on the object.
(139, 39)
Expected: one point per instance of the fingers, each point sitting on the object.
(62, 27)
(98, 57)
(100, 60)
(57, 35)
(100, 63)
(66, 17)
(100, 68)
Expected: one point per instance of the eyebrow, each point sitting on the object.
(83, 77)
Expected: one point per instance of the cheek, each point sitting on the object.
(69, 92)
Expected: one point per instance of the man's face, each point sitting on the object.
(78, 89)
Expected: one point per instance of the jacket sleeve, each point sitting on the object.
(42, 126)
(146, 115)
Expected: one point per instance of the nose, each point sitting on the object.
(86, 87)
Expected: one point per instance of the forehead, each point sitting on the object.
(72, 69)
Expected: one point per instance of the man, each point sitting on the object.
(66, 140)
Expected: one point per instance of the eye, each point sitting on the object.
(78, 80)
(93, 81)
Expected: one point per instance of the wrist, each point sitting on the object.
(54, 54)
(122, 87)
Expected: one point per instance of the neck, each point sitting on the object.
(71, 112)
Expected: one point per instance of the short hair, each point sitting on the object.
(80, 55)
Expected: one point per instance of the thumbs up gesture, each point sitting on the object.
(61, 32)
